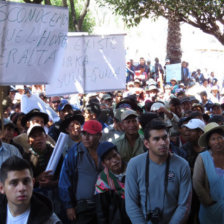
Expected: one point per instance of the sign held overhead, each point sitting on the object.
(32, 42)
(91, 63)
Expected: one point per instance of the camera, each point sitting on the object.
(154, 216)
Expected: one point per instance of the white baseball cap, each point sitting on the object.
(156, 106)
(195, 123)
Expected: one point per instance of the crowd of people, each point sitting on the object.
(152, 153)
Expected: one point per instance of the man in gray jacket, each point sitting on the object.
(158, 183)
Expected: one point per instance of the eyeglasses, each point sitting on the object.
(56, 101)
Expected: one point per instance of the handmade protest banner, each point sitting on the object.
(91, 63)
(173, 71)
(32, 42)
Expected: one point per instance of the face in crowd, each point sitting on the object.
(18, 188)
(157, 143)
(37, 139)
(74, 129)
(130, 125)
(36, 120)
(90, 141)
(112, 160)
(55, 101)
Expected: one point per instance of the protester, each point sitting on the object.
(115, 130)
(208, 174)
(46, 182)
(72, 126)
(64, 109)
(16, 118)
(31, 118)
(8, 135)
(191, 149)
(78, 176)
(158, 184)
(110, 186)
(55, 102)
(130, 143)
(18, 202)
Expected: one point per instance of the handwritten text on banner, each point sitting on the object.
(91, 63)
(32, 42)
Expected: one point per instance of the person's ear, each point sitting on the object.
(146, 143)
(2, 188)
(33, 180)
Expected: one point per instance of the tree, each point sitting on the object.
(207, 15)
(79, 18)
(173, 46)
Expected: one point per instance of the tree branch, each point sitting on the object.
(64, 3)
(74, 17)
(83, 13)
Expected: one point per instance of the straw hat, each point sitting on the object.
(209, 128)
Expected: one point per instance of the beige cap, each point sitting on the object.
(128, 113)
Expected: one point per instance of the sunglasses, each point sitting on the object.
(57, 101)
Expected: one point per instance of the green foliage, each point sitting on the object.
(203, 14)
(88, 23)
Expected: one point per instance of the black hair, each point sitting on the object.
(14, 163)
(174, 101)
(203, 93)
(206, 118)
(155, 124)
(195, 114)
(145, 118)
(94, 108)
(216, 118)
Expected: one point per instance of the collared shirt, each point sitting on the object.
(8, 150)
(81, 180)
(126, 150)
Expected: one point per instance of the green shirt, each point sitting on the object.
(126, 150)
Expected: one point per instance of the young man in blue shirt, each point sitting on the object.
(158, 183)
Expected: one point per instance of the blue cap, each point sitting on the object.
(105, 147)
(63, 104)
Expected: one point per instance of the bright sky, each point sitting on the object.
(149, 40)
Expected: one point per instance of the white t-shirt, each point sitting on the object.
(20, 219)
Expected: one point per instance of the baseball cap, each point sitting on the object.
(34, 127)
(92, 127)
(156, 106)
(104, 148)
(118, 112)
(63, 104)
(128, 113)
(195, 123)
(106, 97)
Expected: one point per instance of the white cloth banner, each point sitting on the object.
(32, 42)
(35, 102)
(173, 71)
(91, 63)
